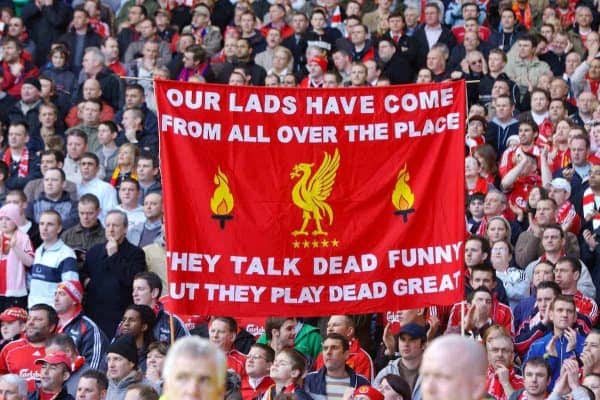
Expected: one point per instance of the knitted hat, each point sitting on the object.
(368, 391)
(73, 289)
(124, 346)
(12, 314)
(33, 82)
(321, 61)
(12, 212)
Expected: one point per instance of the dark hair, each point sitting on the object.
(161, 347)
(298, 360)
(111, 126)
(91, 155)
(152, 279)
(134, 86)
(269, 352)
(90, 198)
(60, 171)
(78, 133)
(50, 312)
(572, 261)
(398, 385)
(99, 377)
(54, 213)
(146, 155)
(63, 341)
(554, 226)
(538, 362)
(275, 323)
(58, 155)
(336, 336)
(485, 244)
(9, 39)
(481, 288)
(564, 298)
(147, 316)
(484, 268)
(131, 180)
(549, 285)
(230, 322)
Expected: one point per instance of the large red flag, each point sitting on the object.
(312, 202)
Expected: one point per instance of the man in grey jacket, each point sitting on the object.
(122, 359)
(407, 356)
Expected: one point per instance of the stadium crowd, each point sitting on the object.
(82, 257)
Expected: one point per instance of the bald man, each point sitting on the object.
(453, 368)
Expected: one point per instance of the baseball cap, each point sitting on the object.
(368, 391)
(414, 331)
(56, 358)
(561, 183)
(12, 314)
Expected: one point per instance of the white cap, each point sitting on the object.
(561, 183)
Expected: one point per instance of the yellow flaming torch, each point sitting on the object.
(403, 197)
(221, 203)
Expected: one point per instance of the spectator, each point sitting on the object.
(12, 325)
(92, 385)
(80, 37)
(562, 342)
(190, 359)
(54, 197)
(91, 183)
(257, 381)
(287, 372)
(110, 268)
(88, 339)
(147, 29)
(88, 231)
(147, 288)
(13, 385)
(411, 341)
(469, 361)
(91, 91)
(16, 257)
(16, 68)
(55, 371)
(432, 33)
(19, 357)
(94, 67)
(122, 359)
(54, 261)
(335, 353)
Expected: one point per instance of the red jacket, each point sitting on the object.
(19, 357)
(12, 84)
(249, 393)
(236, 361)
(501, 315)
(586, 306)
(494, 387)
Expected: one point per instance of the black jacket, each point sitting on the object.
(423, 45)
(111, 88)
(110, 283)
(398, 70)
(91, 39)
(45, 25)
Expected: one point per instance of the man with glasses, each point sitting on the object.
(258, 364)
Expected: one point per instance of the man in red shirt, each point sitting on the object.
(258, 364)
(222, 332)
(502, 379)
(19, 357)
(567, 272)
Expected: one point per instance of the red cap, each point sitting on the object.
(56, 358)
(368, 391)
(73, 289)
(322, 61)
(13, 314)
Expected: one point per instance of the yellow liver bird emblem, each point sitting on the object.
(311, 192)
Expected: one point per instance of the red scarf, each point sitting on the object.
(523, 16)
(494, 387)
(23, 163)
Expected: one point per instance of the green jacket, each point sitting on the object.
(308, 341)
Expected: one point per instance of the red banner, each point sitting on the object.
(312, 202)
